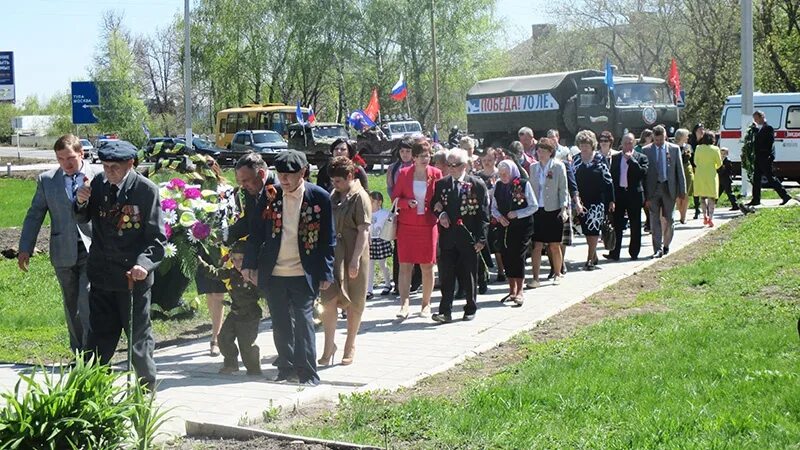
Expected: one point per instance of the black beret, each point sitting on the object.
(116, 151)
(290, 161)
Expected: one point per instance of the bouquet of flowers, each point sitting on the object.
(196, 220)
(197, 209)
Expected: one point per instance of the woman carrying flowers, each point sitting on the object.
(513, 206)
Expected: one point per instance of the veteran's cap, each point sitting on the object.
(116, 151)
(290, 161)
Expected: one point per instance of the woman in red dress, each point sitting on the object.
(416, 224)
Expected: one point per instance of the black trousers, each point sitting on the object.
(74, 284)
(630, 202)
(109, 316)
(460, 262)
(244, 330)
(294, 336)
(727, 187)
(764, 168)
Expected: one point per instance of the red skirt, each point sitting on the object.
(416, 244)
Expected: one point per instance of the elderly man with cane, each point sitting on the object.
(127, 245)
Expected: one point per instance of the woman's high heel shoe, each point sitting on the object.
(327, 360)
(403, 314)
(347, 359)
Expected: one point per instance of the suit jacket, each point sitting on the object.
(51, 197)
(637, 170)
(119, 244)
(556, 195)
(263, 244)
(241, 228)
(764, 140)
(404, 192)
(676, 178)
(469, 207)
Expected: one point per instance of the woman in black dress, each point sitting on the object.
(596, 191)
(513, 207)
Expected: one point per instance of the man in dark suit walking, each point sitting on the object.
(289, 255)
(252, 176)
(628, 169)
(127, 241)
(762, 144)
(461, 202)
(69, 240)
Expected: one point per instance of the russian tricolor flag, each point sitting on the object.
(399, 90)
(311, 116)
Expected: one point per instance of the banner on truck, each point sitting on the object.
(512, 104)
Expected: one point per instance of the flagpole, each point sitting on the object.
(408, 106)
(435, 70)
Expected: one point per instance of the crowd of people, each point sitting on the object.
(454, 214)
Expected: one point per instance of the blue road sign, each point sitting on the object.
(7, 93)
(84, 98)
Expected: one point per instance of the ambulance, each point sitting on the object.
(783, 114)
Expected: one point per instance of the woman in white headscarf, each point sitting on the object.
(513, 207)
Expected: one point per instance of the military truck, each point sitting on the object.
(315, 140)
(385, 140)
(568, 101)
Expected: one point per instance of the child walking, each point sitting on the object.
(241, 323)
(379, 249)
(725, 172)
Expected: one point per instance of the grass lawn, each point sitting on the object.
(31, 312)
(715, 364)
(15, 201)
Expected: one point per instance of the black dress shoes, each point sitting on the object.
(468, 317)
(442, 318)
(666, 251)
(786, 200)
(288, 377)
(482, 289)
(612, 257)
(658, 254)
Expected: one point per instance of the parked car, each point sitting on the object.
(224, 156)
(89, 152)
(265, 142)
(315, 140)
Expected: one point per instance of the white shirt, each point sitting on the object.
(420, 189)
(73, 182)
(378, 221)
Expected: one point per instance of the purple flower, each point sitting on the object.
(176, 184)
(169, 204)
(192, 193)
(168, 230)
(200, 230)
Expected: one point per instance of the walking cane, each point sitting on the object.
(130, 330)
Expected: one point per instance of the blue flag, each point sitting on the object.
(360, 120)
(299, 114)
(609, 75)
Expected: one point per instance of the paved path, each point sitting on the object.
(390, 354)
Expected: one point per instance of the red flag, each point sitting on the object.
(373, 108)
(674, 79)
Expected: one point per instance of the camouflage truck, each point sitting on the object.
(568, 101)
(384, 140)
(315, 140)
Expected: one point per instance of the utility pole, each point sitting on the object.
(187, 73)
(747, 78)
(435, 69)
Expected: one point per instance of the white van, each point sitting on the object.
(783, 114)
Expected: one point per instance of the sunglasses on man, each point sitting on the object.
(454, 165)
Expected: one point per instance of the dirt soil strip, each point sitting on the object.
(9, 241)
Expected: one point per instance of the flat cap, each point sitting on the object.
(290, 161)
(116, 151)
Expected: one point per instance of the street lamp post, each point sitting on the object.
(747, 79)
(187, 73)
(435, 69)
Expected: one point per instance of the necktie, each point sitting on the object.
(112, 194)
(71, 190)
(662, 165)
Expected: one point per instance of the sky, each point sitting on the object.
(54, 40)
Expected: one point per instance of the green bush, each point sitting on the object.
(87, 406)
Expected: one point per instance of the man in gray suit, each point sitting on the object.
(69, 241)
(665, 183)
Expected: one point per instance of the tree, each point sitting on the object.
(122, 109)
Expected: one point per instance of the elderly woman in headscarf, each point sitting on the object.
(513, 207)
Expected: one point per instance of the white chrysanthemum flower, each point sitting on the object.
(170, 250)
(170, 217)
(191, 237)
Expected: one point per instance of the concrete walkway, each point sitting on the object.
(390, 354)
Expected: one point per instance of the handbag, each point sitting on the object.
(608, 235)
(389, 230)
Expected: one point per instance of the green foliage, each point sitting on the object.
(84, 407)
(121, 107)
(15, 201)
(717, 368)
